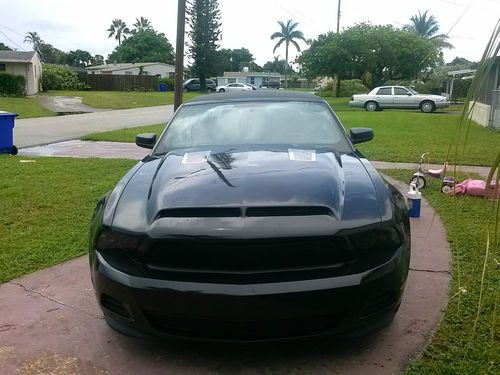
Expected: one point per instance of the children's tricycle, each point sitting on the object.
(419, 177)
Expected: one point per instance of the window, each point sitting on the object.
(2, 67)
(231, 80)
(252, 80)
(384, 91)
(400, 91)
(171, 75)
(159, 75)
(128, 72)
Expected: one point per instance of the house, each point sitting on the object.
(486, 111)
(159, 69)
(26, 64)
(257, 79)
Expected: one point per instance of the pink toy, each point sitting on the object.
(476, 188)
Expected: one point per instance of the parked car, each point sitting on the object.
(253, 218)
(233, 87)
(193, 84)
(398, 97)
(271, 85)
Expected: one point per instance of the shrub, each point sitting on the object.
(12, 85)
(348, 87)
(59, 77)
(169, 81)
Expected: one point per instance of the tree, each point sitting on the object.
(79, 58)
(427, 26)
(147, 46)
(275, 66)
(287, 35)
(230, 60)
(118, 30)
(204, 34)
(34, 39)
(97, 60)
(142, 24)
(51, 55)
(371, 53)
(3, 47)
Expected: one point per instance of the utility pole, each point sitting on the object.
(338, 18)
(179, 52)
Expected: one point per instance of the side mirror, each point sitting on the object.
(360, 135)
(146, 140)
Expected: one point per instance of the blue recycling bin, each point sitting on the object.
(163, 87)
(7, 133)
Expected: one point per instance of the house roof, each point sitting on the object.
(17, 56)
(249, 74)
(124, 66)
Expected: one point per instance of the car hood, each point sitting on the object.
(174, 186)
(429, 96)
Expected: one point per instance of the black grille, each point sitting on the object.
(287, 211)
(378, 304)
(200, 212)
(245, 330)
(195, 212)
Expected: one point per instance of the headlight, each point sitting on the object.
(119, 241)
(377, 239)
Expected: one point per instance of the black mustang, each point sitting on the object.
(253, 218)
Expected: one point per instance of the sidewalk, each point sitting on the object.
(50, 323)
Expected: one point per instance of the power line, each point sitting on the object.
(5, 35)
(13, 31)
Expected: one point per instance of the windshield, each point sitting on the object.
(254, 123)
(412, 91)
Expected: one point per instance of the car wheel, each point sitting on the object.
(222, 90)
(371, 106)
(13, 150)
(446, 189)
(186, 89)
(427, 106)
(419, 182)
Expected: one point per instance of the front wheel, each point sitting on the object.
(427, 106)
(446, 189)
(419, 182)
(371, 106)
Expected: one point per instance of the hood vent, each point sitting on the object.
(200, 212)
(287, 211)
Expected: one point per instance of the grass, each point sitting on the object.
(46, 207)
(24, 107)
(464, 218)
(123, 99)
(124, 135)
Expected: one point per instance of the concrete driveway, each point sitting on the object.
(50, 323)
(44, 130)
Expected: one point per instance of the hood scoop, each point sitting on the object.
(195, 157)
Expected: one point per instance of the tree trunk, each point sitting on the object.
(335, 84)
(286, 65)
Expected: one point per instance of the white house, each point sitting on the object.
(26, 64)
(161, 70)
(257, 79)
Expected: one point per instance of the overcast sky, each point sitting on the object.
(70, 24)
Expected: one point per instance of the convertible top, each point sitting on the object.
(258, 95)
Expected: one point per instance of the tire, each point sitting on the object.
(419, 181)
(446, 189)
(371, 106)
(427, 106)
(222, 90)
(14, 150)
(211, 90)
(185, 89)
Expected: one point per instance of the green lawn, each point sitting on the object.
(46, 207)
(452, 351)
(24, 107)
(123, 99)
(124, 135)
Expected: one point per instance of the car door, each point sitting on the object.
(384, 97)
(195, 85)
(404, 98)
(231, 87)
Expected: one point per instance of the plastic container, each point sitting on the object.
(162, 87)
(7, 133)
(414, 199)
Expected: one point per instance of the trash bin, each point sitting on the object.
(7, 133)
(163, 87)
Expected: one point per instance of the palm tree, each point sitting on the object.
(428, 28)
(142, 24)
(33, 38)
(288, 34)
(118, 29)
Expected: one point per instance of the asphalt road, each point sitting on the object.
(44, 130)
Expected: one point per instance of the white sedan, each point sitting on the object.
(232, 87)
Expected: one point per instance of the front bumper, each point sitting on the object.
(442, 104)
(351, 305)
(356, 104)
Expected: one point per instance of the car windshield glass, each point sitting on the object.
(254, 123)
(412, 91)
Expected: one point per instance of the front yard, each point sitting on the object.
(24, 107)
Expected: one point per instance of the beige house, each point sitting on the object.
(161, 70)
(26, 64)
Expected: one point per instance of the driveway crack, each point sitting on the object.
(28, 290)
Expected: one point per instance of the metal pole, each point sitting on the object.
(179, 52)
(338, 18)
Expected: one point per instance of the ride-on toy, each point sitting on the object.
(419, 180)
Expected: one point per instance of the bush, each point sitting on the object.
(348, 87)
(59, 77)
(170, 83)
(12, 85)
